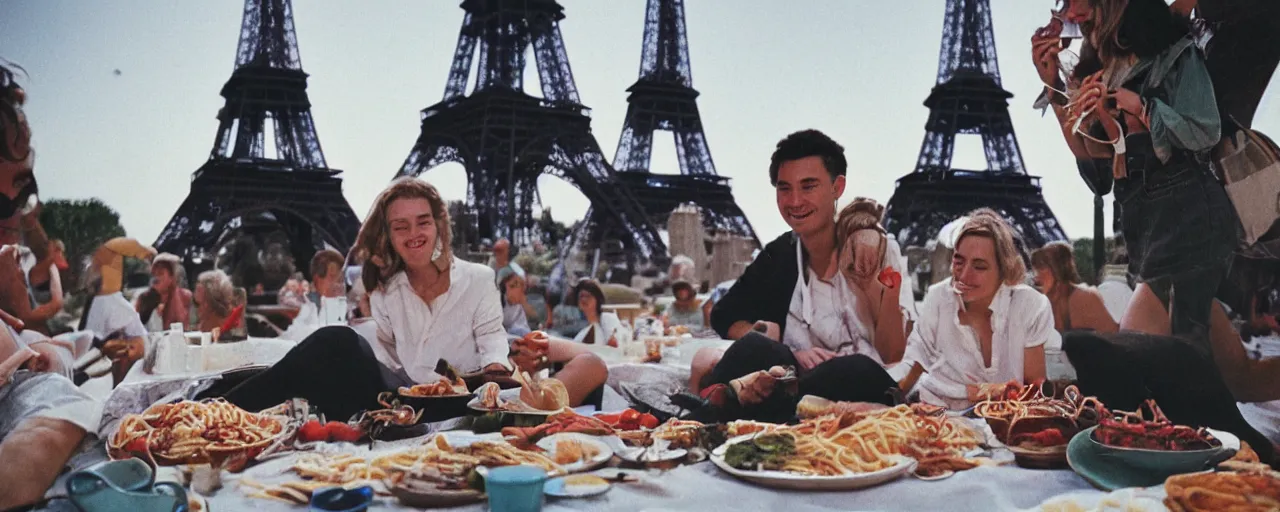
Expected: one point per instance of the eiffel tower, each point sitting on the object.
(244, 183)
(968, 99)
(506, 139)
(663, 98)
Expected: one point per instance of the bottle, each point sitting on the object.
(175, 344)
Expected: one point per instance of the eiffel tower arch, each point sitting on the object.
(969, 100)
(663, 98)
(505, 139)
(245, 186)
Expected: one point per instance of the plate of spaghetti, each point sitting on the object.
(190, 432)
(787, 460)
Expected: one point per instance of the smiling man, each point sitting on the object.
(789, 303)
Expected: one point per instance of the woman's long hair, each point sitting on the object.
(373, 245)
(15, 134)
(1120, 28)
(985, 222)
(1060, 259)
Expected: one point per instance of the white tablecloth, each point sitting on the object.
(704, 487)
(140, 389)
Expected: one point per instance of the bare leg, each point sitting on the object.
(582, 375)
(33, 455)
(1145, 313)
(703, 361)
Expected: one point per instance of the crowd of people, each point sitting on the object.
(826, 309)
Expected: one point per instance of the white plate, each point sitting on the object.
(793, 481)
(603, 452)
(1133, 499)
(508, 395)
(557, 488)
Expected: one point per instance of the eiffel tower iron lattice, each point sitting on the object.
(244, 182)
(663, 98)
(969, 100)
(506, 139)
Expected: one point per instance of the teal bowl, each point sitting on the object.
(1169, 462)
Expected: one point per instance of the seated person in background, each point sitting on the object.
(982, 328)
(1075, 305)
(427, 305)
(515, 304)
(108, 314)
(167, 302)
(602, 327)
(784, 310)
(686, 310)
(44, 279)
(34, 304)
(327, 281)
(215, 301)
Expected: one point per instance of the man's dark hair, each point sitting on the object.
(805, 144)
(321, 261)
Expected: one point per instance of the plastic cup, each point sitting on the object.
(515, 488)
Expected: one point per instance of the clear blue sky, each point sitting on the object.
(856, 69)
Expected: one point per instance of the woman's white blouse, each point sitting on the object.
(1021, 318)
(463, 326)
(609, 325)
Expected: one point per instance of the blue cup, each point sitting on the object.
(337, 499)
(515, 488)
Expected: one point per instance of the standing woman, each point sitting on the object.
(1141, 104)
(427, 305)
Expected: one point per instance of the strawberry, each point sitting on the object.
(312, 431)
(342, 432)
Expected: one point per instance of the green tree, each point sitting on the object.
(82, 225)
(553, 232)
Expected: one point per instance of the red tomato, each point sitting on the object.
(648, 421)
(342, 432)
(312, 431)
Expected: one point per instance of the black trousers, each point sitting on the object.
(855, 378)
(334, 369)
(1125, 369)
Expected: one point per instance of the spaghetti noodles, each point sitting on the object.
(190, 432)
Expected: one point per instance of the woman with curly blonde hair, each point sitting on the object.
(983, 328)
(427, 305)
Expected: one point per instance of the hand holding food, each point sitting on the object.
(542, 394)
